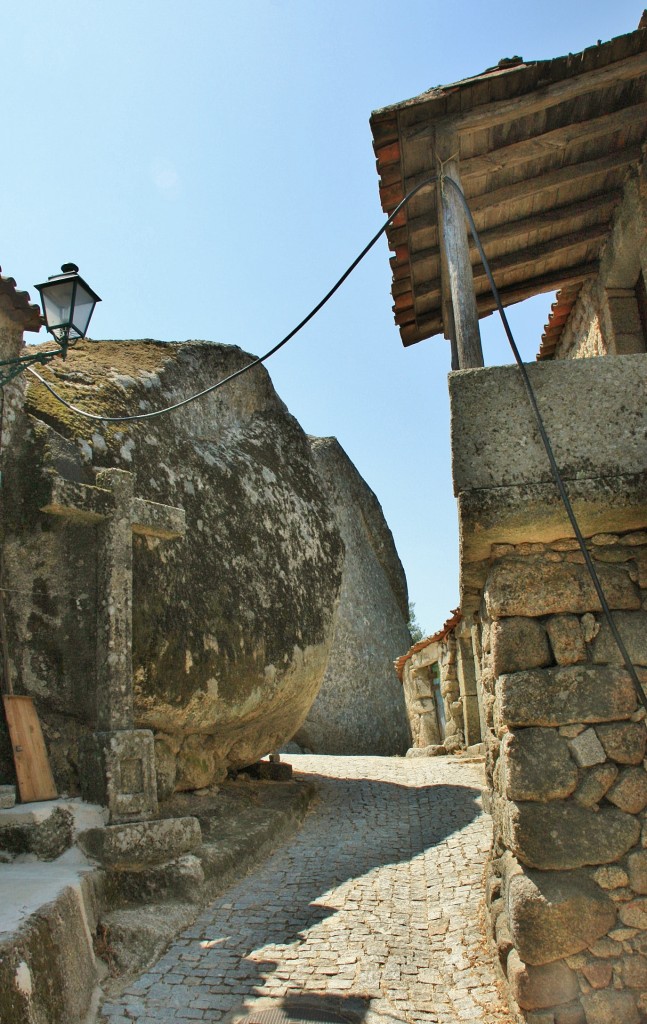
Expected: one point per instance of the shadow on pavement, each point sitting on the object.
(356, 826)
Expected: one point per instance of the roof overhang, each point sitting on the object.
(543, 151)
(18, 307)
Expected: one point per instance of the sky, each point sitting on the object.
(209, 167)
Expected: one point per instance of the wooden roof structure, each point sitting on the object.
(542, 150)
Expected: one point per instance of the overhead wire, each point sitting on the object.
(431, 180)
(557, 476)
(255, 362)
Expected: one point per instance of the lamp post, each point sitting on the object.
(68, 304)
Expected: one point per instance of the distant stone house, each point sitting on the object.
(550, 156)
(438, 676)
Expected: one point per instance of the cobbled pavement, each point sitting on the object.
(377, 901)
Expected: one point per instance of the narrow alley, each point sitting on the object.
(373, 908)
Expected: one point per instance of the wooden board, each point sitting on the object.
(35, 780)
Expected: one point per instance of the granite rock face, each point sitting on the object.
(360, 708)
(232, 624)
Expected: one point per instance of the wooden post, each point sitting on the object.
(461, 282)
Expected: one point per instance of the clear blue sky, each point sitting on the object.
(209, 167)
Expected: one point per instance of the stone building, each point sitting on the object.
(550, 157)
(438, 676)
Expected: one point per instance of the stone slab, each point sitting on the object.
(46, 828)
(559, 696)
(47, 964)
(487, 452)
(142, 842)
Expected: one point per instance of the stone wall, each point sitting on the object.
(605, 319)
(565, 764)
(565, 735)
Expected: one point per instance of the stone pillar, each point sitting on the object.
(625, 330)
(467, 683)
(450, 691)
(565, 734)
(420, 696)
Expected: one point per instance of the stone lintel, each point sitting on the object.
(535, 513)
(153, 519)
(82, 503)
(425, 657)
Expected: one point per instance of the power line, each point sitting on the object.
(255, 362)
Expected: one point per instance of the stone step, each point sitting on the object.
(47, 828)
(138, 844)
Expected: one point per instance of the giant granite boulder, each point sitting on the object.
(232, 625)
(360, 707)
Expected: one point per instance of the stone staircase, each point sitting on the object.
(86, 906)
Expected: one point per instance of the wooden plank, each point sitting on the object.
(35, 780)
(431, 323)
(536, 286)
(557, 139)
(573, 174)
(490, 114)
(602, 205)
(524, 258)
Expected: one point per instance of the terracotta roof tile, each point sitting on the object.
(559, 313)
(18, 306)
(449, 625)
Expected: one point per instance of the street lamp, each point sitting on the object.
(68, 304)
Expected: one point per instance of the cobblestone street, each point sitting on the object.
(376, 901)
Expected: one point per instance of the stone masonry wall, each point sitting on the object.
(605, 319)
(565, 742)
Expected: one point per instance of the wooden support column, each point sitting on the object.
(467, 336)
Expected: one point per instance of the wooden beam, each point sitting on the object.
(461, 283)
(431, 323)
(557, 140)
(602, 204)
(536, 286)
(498, 112)
(525, 257)
(573, 173)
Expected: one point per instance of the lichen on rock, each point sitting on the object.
(232, 624)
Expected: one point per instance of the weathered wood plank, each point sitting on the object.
(524, 258)
(431, 323)
(500, 111)
(33, 772)
(530, 149)
(569, 175)
(602, 205)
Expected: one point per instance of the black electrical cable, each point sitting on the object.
(524, 376)
(631, 669)
(255, 362)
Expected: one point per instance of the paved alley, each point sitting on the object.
(376, 901)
